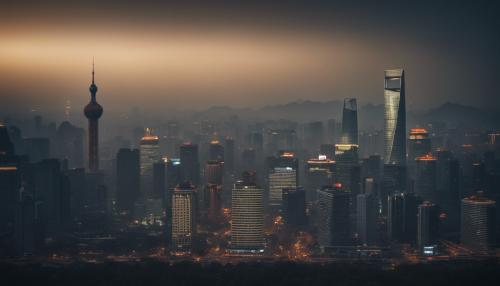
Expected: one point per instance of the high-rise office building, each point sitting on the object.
(448, 176)
(69, 144)
(159, 179)
(319, 172)
(283, 173)
(366, 218)
(212, 196)
(478, 224)
(419, 144)
(127, 178)
(93, 111)
(346, 156)
(190, 164)
(425, 178)
(327, 150)
(350, 122)
(149, 154)
(314, 136)
(428, 225)
(334, 227)
(294, 207)
(183, 217)
(229, 160)
(37, 148)
(395, 117)
(216, 151)
(247, 224)
(402, 217)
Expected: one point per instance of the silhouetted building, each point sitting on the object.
(159, 179)
(216, 151)
(69, 144)
(402, 217)
(319, 172)
(350, 122)
(294, 207)
(190, 164)
(395, 117)
(333, 217)
(425, 178)
(428, 225)
(346, 157)
(314, 136)
(366, 218)
(229, 151)
(127, 178)
(37, 148)
(93, 111)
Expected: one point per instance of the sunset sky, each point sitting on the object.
(167, 56)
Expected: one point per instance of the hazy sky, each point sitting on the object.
(165, 56)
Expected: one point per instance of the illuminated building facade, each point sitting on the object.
(395, 117)
(478, 224)
(346, 156)
(350, 122)
(247, 225)
(319, 172)
(149, 154)
(93, 111)
(419, 143)
(183, 217)
(283, 173)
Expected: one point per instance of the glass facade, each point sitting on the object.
(395, 117)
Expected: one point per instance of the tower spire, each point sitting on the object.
(92, 70)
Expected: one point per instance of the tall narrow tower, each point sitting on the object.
(350, 122)
(93, 111)
(395, 117)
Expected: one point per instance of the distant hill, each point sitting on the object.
(370, 116)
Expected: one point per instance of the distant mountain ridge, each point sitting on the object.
(370, 116)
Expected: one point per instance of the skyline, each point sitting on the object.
(269, 54)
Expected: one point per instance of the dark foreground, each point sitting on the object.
(289, 274)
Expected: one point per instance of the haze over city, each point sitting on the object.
(231, 143)
(245, 55)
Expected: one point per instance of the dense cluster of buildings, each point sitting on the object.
(214, 184)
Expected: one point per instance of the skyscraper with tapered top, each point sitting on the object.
(395, 117)
(93, 111)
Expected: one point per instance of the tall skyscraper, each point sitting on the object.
(294, 207)
(428, 225)
(190, 164)
(402, 217)
(283, 173)
(216, 151)
(366, 218)
(319, 172)
(127, 178)
(183, 217)
(333, 217)
(247, 224)
(150, 154)
(346, 156)
(350, 122)
(419, 144)
(425, 178)
(93, 111)
(478, 224)
(395, 117)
